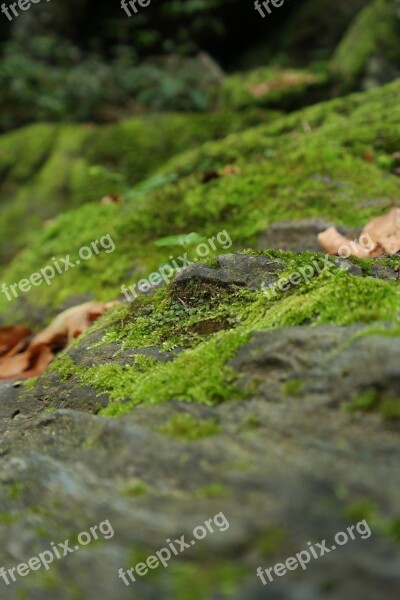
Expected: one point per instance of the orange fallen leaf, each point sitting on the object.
(38, 360)
(286, 79)
(111, 199)
(380, 236)
(385, 231)
(72, 322)
(30, 363)
(23, 362)
(209, 176)
(369, 156)
(230, 170)
(333, 242)
(11, 336)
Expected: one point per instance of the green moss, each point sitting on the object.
(293, 387)
(286, 173)
(45, 169)
(199, 373)
(15, 490)
(375, 32)
(250, 423)
(136, 488)
(186, 427)
(201, 581)
(268, 87)
(371, 400)
(214, 490)
(367, 510)
(206, 380)
(7, 518)
(271, 542)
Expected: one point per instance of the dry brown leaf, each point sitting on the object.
(21, 363)
(12, 367)
(230, 170)
(285, 79)
(332, 242)
(380, 236)
(385, 231)
(369, 156)
(39, 359)
(11, 337)
(71, 323)
(209, 176)
(30, 363)
(111, 199)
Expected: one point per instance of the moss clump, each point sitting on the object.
(293, 387)
(367, 510)
(250, 423)
(371, 400)
(271, 542)
(7, 518)
(269, 87)
(186, 427)
(207, 380)
(286, 173)
(136, 489)
(214, 490)
(201, 581)
(15, 490)
(45, 169)
(374, 33)
(199, 372)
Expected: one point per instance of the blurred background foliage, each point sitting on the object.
(81, 60)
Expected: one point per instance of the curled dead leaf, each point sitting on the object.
(20, 361)
(380, 236)
(231, 170)
(11, 336)
(385, 231)
(111, 199)
(71, 323)
(30, 363)
(333, 242)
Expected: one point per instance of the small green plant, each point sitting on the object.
(136, 489)
(183, 240)
(293, 387)
(271, 541)
(186, 427)
(214, 490)
(371, 401)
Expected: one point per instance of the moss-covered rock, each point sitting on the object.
(369, 53)
(313, 163)
(47, 169)
(227, 426)
(272, 87)
(236, 389)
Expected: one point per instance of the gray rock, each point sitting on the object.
(242, 270)
(381, 272)
(298, 236)
(285, 467)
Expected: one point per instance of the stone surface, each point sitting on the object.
(298, 236)
(287, 465)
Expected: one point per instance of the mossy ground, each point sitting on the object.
(47, 169)
(313, 163)
(271, 87)
(308, 164)
(200, 373)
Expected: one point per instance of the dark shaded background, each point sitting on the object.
(85, 60)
